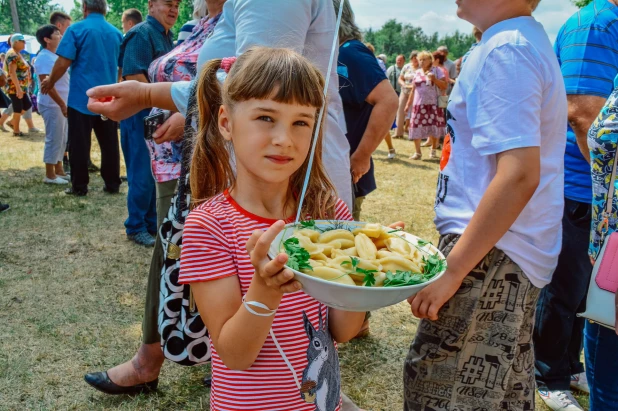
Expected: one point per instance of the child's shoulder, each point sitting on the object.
(211, 212)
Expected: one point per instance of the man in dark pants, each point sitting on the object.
(142, 44)
(90, 47)
(589, 62)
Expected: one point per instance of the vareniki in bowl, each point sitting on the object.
(357, 266)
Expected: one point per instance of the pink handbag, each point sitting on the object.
(601, 302)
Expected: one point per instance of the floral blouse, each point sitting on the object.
(23, 71)
(603, 143)
(177, 65)
(407, 72)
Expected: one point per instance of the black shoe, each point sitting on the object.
(4, 207)
(69, 191)
(101, 381)
(92, 168)
(207, 381)
(110, 191)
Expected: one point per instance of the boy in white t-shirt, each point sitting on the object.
(498, 209)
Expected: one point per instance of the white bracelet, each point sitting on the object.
(249, 304)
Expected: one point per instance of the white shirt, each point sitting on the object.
(307, 26)
(510, 94)
(43, 66)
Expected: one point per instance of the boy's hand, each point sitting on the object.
(430, 299)
(272, 273)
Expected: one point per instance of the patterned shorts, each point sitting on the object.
(478, 356)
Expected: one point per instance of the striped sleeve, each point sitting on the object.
(588, 60)
(206, 254)
(342, 212)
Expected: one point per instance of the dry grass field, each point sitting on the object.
(72, 288)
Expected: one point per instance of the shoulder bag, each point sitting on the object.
(601, 301)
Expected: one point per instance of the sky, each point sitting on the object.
(433, 15)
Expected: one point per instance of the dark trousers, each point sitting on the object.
(80, 129)
(558, 334)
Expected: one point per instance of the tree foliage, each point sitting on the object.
(32, 14)
(401, 38)
(117, 7)
(581, 3)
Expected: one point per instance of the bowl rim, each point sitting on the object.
(271, 255)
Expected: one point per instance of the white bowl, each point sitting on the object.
(349, 297)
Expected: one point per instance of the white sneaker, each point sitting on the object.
(580, 382)
(64, 177)
(56, 180)
(559, 400)
(391, 154)
(34, 130)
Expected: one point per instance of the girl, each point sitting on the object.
(272, 345)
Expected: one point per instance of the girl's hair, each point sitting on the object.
(260, 73)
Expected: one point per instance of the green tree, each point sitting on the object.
(117, 7)
(32, 14)
(398, 38)
(581, 3)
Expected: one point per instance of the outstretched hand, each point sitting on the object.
(118, 101)
(272, 273)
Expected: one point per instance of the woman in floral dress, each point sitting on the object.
(427, 120)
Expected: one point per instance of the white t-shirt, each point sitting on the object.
(307, 26)
(43, 66)
(510, 94)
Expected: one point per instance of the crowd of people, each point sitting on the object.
(529, 141)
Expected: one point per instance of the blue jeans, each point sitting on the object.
(601, 348)
(142, 198)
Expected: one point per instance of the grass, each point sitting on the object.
(72, 290)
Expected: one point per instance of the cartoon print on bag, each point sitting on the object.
(321, 385)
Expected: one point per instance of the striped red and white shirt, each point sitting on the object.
(213, 247)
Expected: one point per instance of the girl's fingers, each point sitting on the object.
(265, 240)
(291, 287)
(272, 268)
(283, 277)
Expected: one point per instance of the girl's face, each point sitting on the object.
(271, 140)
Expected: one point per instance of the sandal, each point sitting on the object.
(416, 156)
(432, 154)
(18, 134)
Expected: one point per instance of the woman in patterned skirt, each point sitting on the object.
(426, 120)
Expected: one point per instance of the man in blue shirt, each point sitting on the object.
(142, 44)
(90, 48)
(587, 50)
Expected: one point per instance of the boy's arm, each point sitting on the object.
(518, 173)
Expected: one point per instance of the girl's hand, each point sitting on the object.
(273, 273)
(19, 92)
(430, 299)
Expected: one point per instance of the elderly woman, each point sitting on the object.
(426, 120)
(406, 82)
(601, 344)
(438, 61)
(165, 155)
(18, 80)
(52, 106)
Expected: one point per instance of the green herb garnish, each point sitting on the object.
(423, 243)
(403, 278)
(369, 280)
(298, 257)
(434, 265)
(309, 224)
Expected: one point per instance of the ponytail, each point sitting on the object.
(211, 170)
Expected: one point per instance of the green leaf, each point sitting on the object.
(298, 257)
(423, 243)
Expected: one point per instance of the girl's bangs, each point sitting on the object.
(283, 78)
